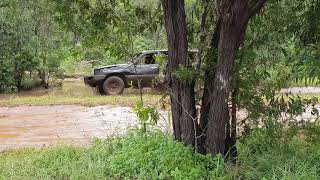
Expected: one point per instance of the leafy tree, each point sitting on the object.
(30, 42)
(245, 72)
(16, 34)
(232, 22)
(116, 27)
(181, 92)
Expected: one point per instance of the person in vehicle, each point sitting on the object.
(149, 59)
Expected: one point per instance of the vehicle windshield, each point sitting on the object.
(135, 57)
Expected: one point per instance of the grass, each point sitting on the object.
(267, 154)
(85, 101)
(305, 82)
(264, 154)
(75, 92)
(136, 156)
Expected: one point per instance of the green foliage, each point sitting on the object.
(30, 42)
(279, 154)
(30, 82)
(136, 156)
(162, 59)
(15, 30)
(120, 27)
(267, 153)
(185, 74)
(147, 115)
(277, 53)
(160, 157)
(312, 131)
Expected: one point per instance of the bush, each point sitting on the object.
(264, 154)
(278, 155)
(145, 156)
(29, 83)
(136, 156)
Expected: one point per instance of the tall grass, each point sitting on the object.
(75, 92)
(264, 154)
(137, 156)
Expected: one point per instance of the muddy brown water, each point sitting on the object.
(37, 126)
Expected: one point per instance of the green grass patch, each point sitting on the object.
(277, 155)
(75, 92)
(125, 100)
(305, 82)
(264, 154)
(136, 156)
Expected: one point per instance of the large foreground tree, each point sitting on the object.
(181, 92)
(210, 133)
(232, 24)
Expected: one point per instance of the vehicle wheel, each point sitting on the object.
(113, 85)
(161, 87)
(100, 89)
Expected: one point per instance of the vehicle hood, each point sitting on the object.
(113, 66)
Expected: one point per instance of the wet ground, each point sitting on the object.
(36, 126)
(301, 90)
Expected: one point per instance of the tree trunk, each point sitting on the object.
(182, 93)
(208, 85)
(231, 127)
(202, 34)
(229, 34)
(43, 75)
(18, 76)
(234, 16)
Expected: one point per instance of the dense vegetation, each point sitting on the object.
(243, 67)
(276, 45)
(262, 155)
(42, 40)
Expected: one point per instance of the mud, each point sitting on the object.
(37, 126)
(301, 90)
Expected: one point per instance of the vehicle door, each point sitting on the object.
(147, 69)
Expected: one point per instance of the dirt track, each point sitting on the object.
(36, 126)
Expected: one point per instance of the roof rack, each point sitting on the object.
(164, 51)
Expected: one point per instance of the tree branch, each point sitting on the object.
(255, 8)
(4, 5)
(202, 33)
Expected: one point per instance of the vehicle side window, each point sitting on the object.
(149, 59)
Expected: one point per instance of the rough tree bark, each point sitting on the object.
(208, 85)
(233, 19)
(234, 16)
(181, 93)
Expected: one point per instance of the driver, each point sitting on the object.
(149, 59)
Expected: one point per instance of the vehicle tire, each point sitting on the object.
(113, 85)
(100, 89)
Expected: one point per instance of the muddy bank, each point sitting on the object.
(301, 90)
(36, 126)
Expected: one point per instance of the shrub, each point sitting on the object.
(158, 156)
(266, 153)
(29, 83)
(277, 155)
(136, 156)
